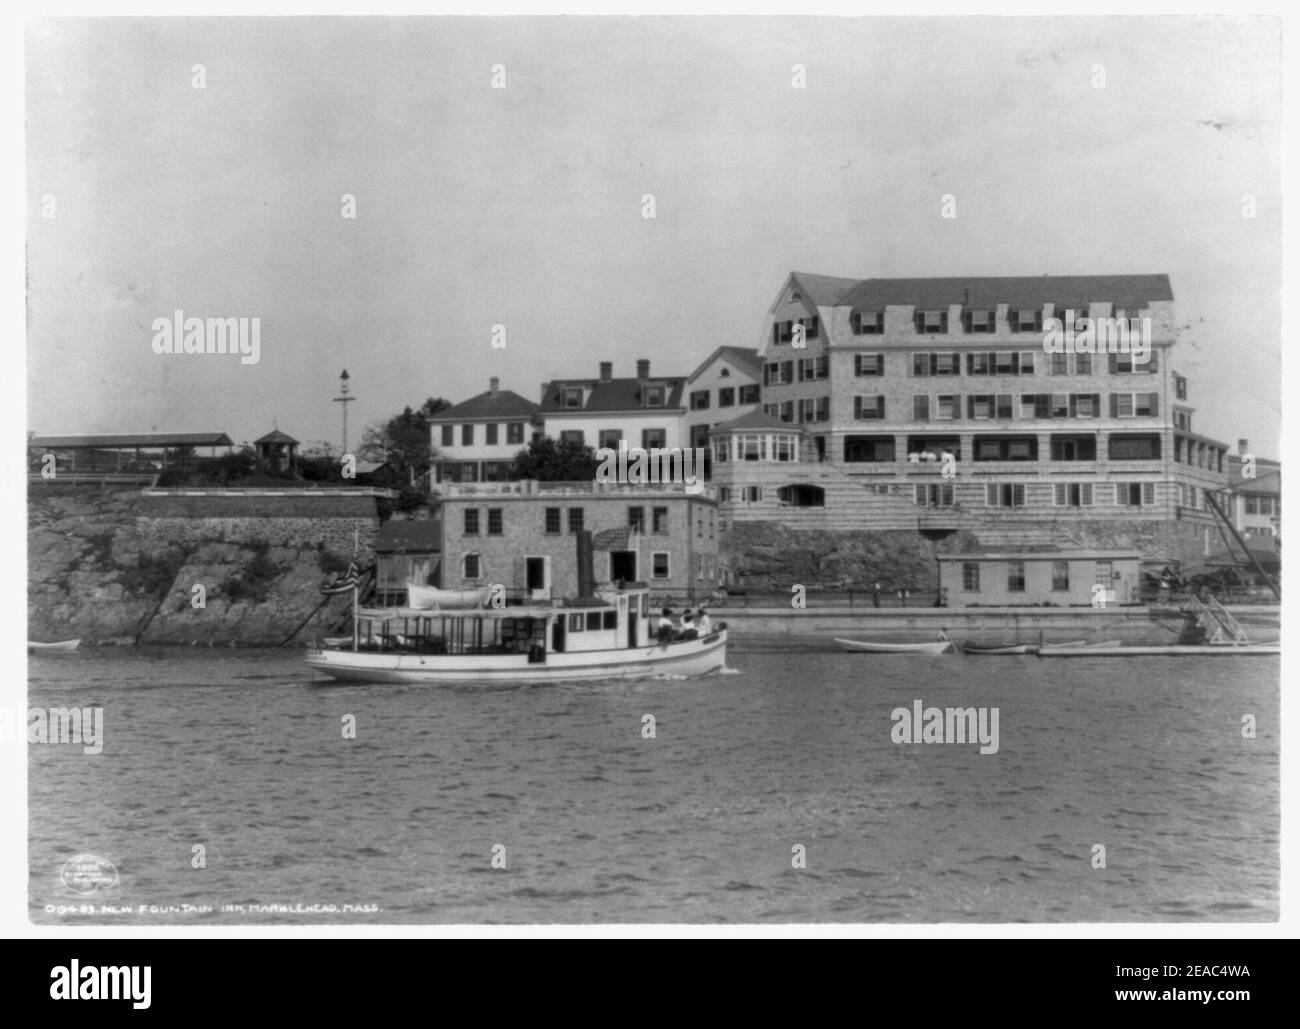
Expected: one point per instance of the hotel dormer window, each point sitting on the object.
(654, 396)
(867, 323)
(931, 321)
(1026, 319)
(978, 321)
(572, 397)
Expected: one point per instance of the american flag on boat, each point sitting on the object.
(344, 583)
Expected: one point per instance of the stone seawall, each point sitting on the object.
(119, 567)
(984, 624)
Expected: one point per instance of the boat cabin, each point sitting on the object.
(617, 619)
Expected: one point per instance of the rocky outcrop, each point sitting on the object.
(109, 567)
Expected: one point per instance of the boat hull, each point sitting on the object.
(62, 646)
(866, 647)
(682, 657)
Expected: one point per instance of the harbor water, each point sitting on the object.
(232, 787)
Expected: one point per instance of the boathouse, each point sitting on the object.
(1047, 578)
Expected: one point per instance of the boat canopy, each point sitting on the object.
(383, 614)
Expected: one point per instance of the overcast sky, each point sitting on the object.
(523, 206)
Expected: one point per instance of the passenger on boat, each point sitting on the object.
(666, 629)
(704, 623)
(689, 631)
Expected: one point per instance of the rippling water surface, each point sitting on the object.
(241, 753)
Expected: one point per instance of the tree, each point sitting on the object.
(434, 406)
(402, 441)
(549, 461)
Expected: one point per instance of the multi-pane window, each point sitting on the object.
(495, 521)
(868, 408)
(1134, 405)
(749, 394)
(1104, 574)
(491, 432)
(1083, 405)
(921, 408)
(573, 436)
(1073, 494)
(978, 364)
(727, 396)
(1060, 576)
(655, 396)
(811, 368)
(1060, 364)
(1134, 448)
(575, 519)
(778, 373)
(471, 521)
(699, 399)
(1060, 405)
(936, 364)
(1005, 407)
(867, 323)
(1026, 319)
(660, 515)
(868, 365)
(970, 576)
(1135, 494)
(978, 321)
(571, 397)
(1074, 448)
(1015, 577)
(467, 435)
(610, 438)
(807, 409)
(1004, 494)
(979, 405)
(783, 332)
(653, 438)
(931, 321)
(472, 566)
(947, 407)
(449, 435)
(1082, 364)
(515, 433)
(934, 494)
(553, 520)
(659, 564)
(636, 519)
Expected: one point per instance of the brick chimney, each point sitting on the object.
(493, 385)
(1243, 446)
(643, 369)
(606, 370)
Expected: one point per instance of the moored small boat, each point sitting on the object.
(63, 645)
(1166, 650)
(941, 646)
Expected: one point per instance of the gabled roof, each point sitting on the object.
(422, 536)
(746, 358)
(489, 406)
(138, 439)
(276, 436)
(757, 420)
(1268, 476)
(623, 395)
(979, 292)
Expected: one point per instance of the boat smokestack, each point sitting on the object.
(586, 565)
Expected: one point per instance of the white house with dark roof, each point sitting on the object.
(477, 439)
(727, 385)
(643, 411)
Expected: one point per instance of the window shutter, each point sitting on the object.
(1120, 494)
(1114, 364)
(991, 495)
(1114, 403)
(970, 406)
(1155, 403)
(1148, 493)
(880, 406)
(1096, 405)
(956, 407)
(1018, 495)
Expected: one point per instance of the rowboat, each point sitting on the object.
(64, 645)
(428, 597)
(587, 639)
(1000, 649)
(942, 646)
(1081, 645)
